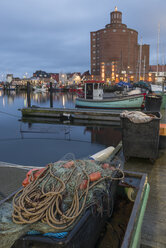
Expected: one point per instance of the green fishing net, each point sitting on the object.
(67, 188)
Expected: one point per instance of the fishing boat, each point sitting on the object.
(94, 98)
(40, 89)
(158, 88)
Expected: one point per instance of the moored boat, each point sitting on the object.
(94, 98)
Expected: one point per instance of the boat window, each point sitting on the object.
(95, 86)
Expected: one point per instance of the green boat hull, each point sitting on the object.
(126, 102)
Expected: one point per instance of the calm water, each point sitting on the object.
(37, 144)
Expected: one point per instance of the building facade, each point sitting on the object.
(116, 54)
(157, 73)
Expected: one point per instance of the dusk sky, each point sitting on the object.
(54, 35)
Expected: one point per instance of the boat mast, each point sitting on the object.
(158, 39)
(140, 58)
(144, 68)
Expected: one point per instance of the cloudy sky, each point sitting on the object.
(54, 35)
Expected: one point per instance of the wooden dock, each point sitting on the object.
(72, 114)
(154, 223)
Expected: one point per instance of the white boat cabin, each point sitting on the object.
(94, 90)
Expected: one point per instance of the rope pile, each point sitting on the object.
(61, 192)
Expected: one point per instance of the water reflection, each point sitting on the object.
(60, 99)
(30, 143)
(109, 136)
(37, 144)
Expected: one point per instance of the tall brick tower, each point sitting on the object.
(116, 54)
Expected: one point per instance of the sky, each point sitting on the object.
(54, 35)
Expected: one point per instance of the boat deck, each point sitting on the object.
(153, 229)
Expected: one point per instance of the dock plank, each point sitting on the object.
(154, 227)
(83, 114)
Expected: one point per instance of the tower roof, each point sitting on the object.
(116, 9)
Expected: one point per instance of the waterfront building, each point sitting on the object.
(116, 54)
(157, 73)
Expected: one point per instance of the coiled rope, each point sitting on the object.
(42, 200)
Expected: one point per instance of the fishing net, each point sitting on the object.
(55, 197)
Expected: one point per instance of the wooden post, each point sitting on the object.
(51, 99)
(28, 95)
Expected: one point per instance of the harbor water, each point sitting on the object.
(36, 144)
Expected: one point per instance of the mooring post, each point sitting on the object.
(28, 95)
(51, 97)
